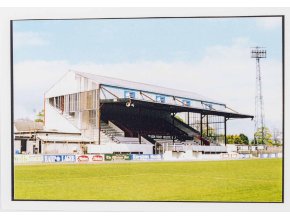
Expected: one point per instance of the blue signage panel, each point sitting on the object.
(146, 157)
(155, 157)
(140, 157)
(59, 158)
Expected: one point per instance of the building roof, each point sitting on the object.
(64, 138)
(125, 84)
(27, 125)
(177, 108)
(44, 131)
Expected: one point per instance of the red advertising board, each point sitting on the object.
(97, 158)
(90, 158)
(83, 158)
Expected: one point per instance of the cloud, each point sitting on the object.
(269, 23)
(225, 74)
(23, 39)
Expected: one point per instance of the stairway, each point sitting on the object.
(110, 132)
(189, 130)
(90, 132)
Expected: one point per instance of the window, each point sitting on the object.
(160, 98)
(129, 94)
(57, 102)
(91, 99)
(186, 102)
(73, 102)
(51, 101)
(92, 117)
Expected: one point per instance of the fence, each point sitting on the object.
(97, 158)
(69, 158)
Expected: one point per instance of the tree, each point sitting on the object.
(237, 139)
(40, 117)
(267, 136)
(210, 131)
(277, 141)
(244, 138)
(230, 139)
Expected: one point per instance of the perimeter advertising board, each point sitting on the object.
(89, 158)
(28, 158)
(117, 157)
(59, 158)
(146, 157)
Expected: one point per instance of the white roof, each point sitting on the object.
(115, 82)
(27, 125)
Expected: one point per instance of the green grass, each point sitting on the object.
(237, 181)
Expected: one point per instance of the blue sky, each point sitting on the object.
(210, 56)
(111, 41)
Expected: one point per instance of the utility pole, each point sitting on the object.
(258, 53)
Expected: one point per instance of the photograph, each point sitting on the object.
(148, 109)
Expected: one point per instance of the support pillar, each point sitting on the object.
(201, 142)
(225, 125)
(139, 121)
(99, 114)
(44, 110)
(206, 125)
(173, 139)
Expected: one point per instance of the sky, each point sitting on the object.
(209, 56)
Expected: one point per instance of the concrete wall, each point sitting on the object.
(29, 148)
(61, 148)
(187, 155)
(66, 85)
(54, 120)
(17, 146)
(231, 148)
(70, 83)
(110, 148)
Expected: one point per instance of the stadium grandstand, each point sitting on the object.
(110, 115)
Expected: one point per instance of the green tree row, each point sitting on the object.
(269, 138)
(237, 139)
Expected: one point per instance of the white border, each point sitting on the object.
(6, 14)
(144, 3)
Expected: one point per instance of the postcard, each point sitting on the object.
(169, 109)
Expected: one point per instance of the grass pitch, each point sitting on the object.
(229, 181)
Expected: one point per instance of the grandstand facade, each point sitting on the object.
(130, 117)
